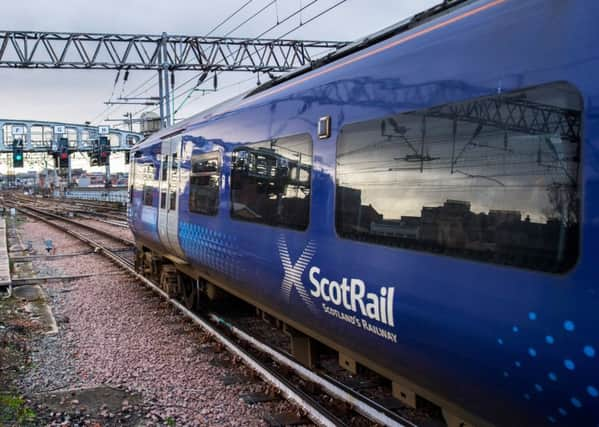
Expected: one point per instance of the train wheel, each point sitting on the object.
(191, 293)
(139, 261)
(169, 281)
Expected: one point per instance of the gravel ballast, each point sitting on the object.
(115, 333)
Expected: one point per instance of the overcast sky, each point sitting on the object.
(76, 96)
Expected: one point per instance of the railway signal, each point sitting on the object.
(17, 153)
(104, 150)
(100, 153)
(63, 153)
(94, 154)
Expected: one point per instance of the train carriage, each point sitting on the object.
(423, 202)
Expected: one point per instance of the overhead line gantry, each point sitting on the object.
(35, 49)
(165, 53)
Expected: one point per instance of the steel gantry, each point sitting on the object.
(34, 49)
(46, 137)
(165, 53)
(40, 136)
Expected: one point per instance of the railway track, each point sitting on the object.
(296, 383)
(111, 213)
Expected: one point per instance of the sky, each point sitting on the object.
(76, 96)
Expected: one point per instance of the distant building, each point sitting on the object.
(408, 227)
(353, 212)
(150, 123)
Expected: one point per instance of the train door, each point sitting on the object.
(168, 209)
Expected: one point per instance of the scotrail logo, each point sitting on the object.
(347, 293)
(294, 271)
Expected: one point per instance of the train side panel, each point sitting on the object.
(143, 209)
(485, 336)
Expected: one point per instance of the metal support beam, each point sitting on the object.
(165, 53)
(108, 183)
(34, 49)
(69, 177)
(166, 100)
(39, 136)
(161, 95)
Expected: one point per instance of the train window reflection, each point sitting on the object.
(173, 201)
(148, 195)
(164, 168)
(204, 183)
(270, 182)
(493, 179)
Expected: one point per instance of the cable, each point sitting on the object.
(229, 17)
(251, 17)
(110, 98)
(279, 22)
(211, 31)
(188, 94)
(132, 93)
(287, 18)
(258, 36)
(111, 107)
(312, 19)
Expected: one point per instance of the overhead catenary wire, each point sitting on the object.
(131, 93)
(251, 17)
(110, 107)
(287, 18)
(188, 95)
(228, 18)
(313, 18)
(280, 22)
(258, 36)
(105, 111)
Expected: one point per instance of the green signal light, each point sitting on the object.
(18, 157)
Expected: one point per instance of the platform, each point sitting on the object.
(4, 265)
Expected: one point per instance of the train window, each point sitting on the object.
(270, 182)
(204, 183)
(131, 180)
(173, 201)
(144, 174)
(163, 200)
(174, 179)
(493, 179)
(148, 195)
(164, 168)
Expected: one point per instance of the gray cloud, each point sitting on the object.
(76, 96)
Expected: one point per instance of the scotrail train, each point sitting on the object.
(424, 202)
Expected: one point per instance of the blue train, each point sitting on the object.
(424, 202)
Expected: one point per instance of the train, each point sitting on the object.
(467, 277)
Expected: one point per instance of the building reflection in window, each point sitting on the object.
(270, 182)
(492, 179)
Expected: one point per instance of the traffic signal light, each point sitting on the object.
(17, 153)
(63, 153)
(100, 152)
(104, 150)
(94, 155)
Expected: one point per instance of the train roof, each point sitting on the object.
(361, 44)
(443, 8)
